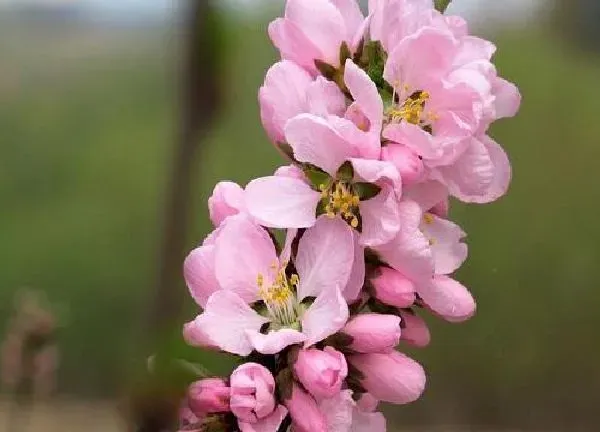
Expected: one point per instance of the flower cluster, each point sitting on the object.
(314, 275)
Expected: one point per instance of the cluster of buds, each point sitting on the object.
(314, 276)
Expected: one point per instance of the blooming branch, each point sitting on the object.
(383, 120)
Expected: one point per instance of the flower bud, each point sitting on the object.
(226, 200)
(393, 288)
(321, 372)
(392, 377)
(252, 389)
(207, 396)
(407, 162)
(305, 414)
(373, 333)
(414, 330)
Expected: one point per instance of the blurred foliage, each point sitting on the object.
(84, 159)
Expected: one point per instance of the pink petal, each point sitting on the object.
(286, 252)
(325, 98)
(199, 273)
(420, 57)
(338, 411)
(359, 143)
(374, 171)
(414, 330)
(409, 252)
(322, 23)
(368, 422)
(380, 218)
(445, 238)
(426, 194)
(291, 171)
(327, 315)
(283, 96)
(227, 319)
(471, 176)
(353, 17)
(508, 98)
(357, 276)
(293, 44)
(365, 94)
(281, 202)
(274, 341)
(194, 335)
(448, 298)
(325, 256)
(502, 171)
(415, 138)
(270, 423)
(247, 248)
(314, 141)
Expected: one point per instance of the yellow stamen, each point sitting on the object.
(341, 200)
(428, 218)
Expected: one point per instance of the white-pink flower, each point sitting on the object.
(316, 29)
(246, 269)
(290, 202)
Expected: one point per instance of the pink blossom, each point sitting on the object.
(226, 200)
(321, 372)
(252, 390)
(445, 239)
(414, 330)
(393, 288)
(232, 325)
(448, 298)
(279, 203)
(289, 90)
(315, 30)
(210, 395)
(305, 414)
(406, 161)
(342, 414)
(391, 377)
(270, 423)
(373, 333)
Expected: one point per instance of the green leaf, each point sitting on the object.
(442, 5)
(346, 172)
(366, 191)
(316, 176)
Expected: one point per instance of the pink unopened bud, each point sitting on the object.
(306, 416)
(407, 162)
(393, 288)
(373, 333)
(321, 372)
(207, 396)
(390, 377)
(226, 200)
(414, 330)
(252, 389)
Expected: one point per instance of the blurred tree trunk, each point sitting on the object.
(199, 101)
(154, 403)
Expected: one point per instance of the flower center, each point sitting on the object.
(428, 220)
(412, 110)
(340, 199)
(279, 297)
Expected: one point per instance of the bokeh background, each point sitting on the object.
(92, 95)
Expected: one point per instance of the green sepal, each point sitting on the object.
(366, 191)
(442, 5)
(345, 172)
(285, 384)
(373, 62)
(287, 150)
(316, 176)
(345, 53)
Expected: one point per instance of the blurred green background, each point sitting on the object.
(87, 121)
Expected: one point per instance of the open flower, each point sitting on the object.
(289, 90)
(304, 306)
(316, 29)
(362, 192)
